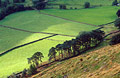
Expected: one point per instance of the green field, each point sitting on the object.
(81, 2)
(95, 16)
(16, 60)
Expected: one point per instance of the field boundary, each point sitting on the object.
(34, 32)
(76, 21)
(68, 19)
(26, 44)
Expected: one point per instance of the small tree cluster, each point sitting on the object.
(39, 4)
(83, 42)
(4, 3)
(11, 9)
(87, 5)
(34, 61)
(115, 2)
(115, 39)
(62, 6)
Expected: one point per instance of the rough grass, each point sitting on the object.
(96, 16)
(100, 63)
(16, 60)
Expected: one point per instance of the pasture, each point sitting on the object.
(16, 60)
(81, 2)
(95, 16)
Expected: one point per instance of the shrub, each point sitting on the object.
(87, 5)
(117, 23)
(114, 3)
(118, 13)
(115, 39)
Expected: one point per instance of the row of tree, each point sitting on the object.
(9, 8)
(63, 6)
(82, 43)
(7, 2)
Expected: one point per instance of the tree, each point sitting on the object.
(52, 53)
(35, 59)
(39, 4)
(115, 40)
(62, 6)
(117, 23)
(16, 1)
(118, 13)
(32, 70)
(0, 3)
(67, 47)
(58, 48)
(87, 5)
(114, 3)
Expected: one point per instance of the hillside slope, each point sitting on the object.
(101, 63)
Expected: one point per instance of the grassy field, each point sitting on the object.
(96, 16)
(16, 60)
(81, 2)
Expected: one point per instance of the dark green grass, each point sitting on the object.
(96, 16)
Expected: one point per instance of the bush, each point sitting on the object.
(117, 23)
(114, 3)
(87, 5)
(115, 40)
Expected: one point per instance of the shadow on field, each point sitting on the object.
(11, 38)
(25, 44)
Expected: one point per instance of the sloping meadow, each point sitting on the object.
(16, 60)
